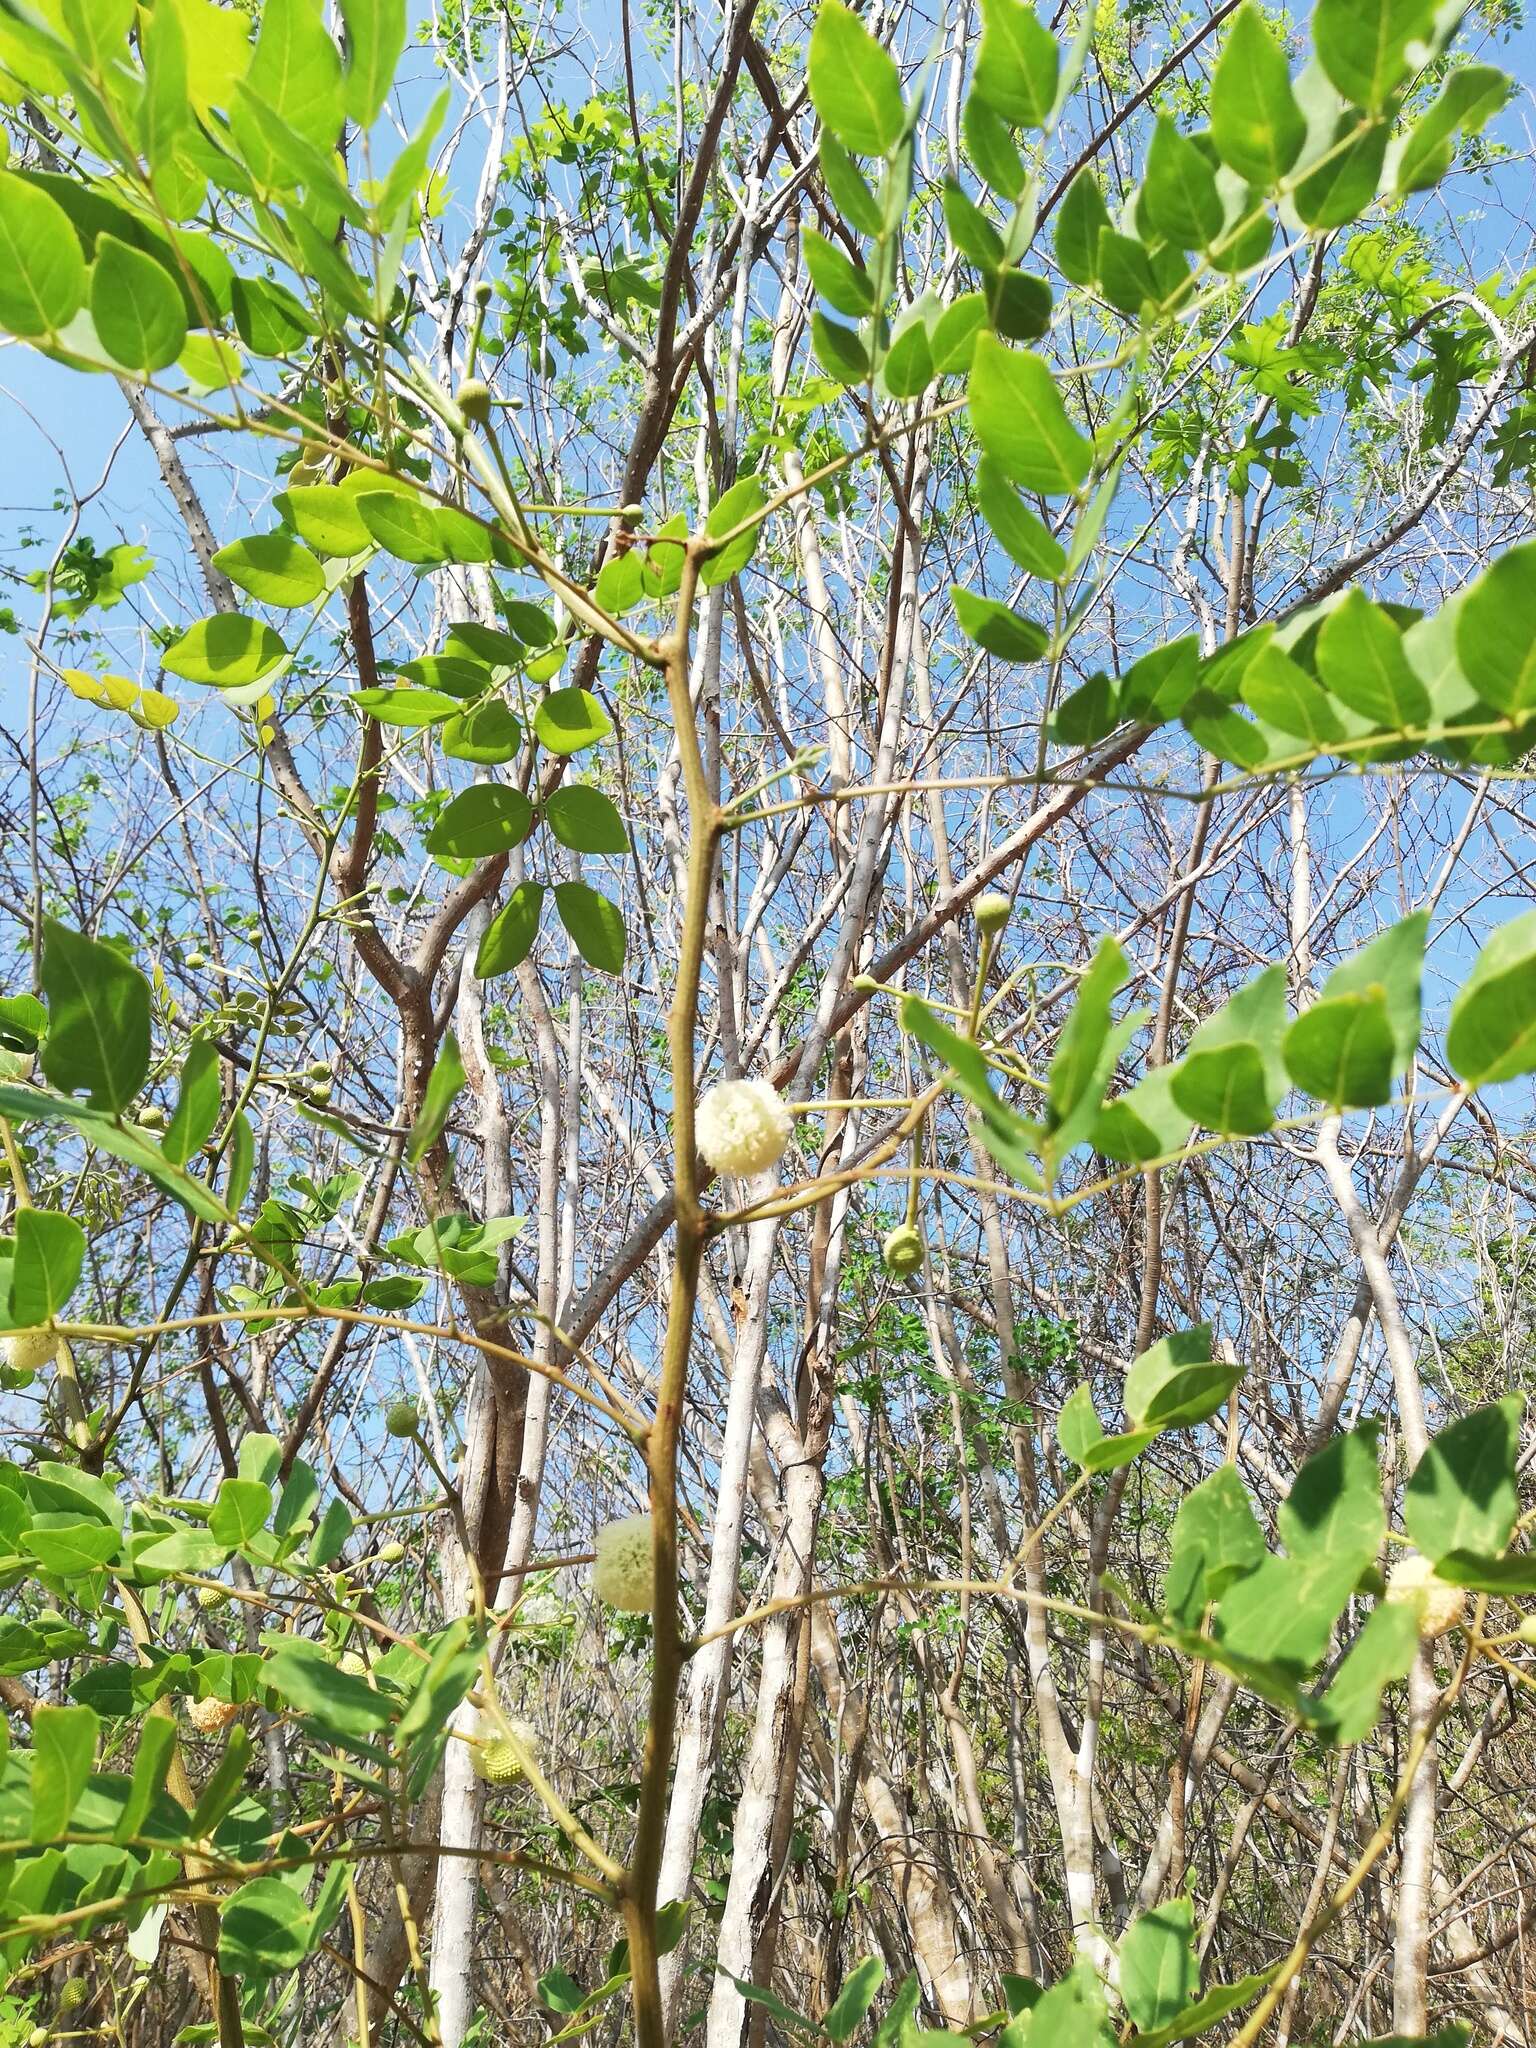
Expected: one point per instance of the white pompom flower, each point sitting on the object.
(210, 1715)
(743, 1127)
(624, 1574)
(29, 1350)
(1412, 1582)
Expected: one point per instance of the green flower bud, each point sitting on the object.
(152, 1117)
(496, 1763)
(484, 291)
(902, 1251)
(402, 1419)
(473, 398)
(211, 1598)
(318, 1070)
(992, 911)
(391, 1553)
(72, 1994)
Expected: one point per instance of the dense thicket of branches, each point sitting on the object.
(965, 1786)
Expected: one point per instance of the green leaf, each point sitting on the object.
(1021, 421)
(992, 149)
(1018, 63)
(1176, 1383)
(1470, 96)
(854, 2000)
(1223, 731)
(1081, 1436)
(1280, 691)
(151, 1761)
(1256, 124)
(225, 1786)
(1215, 2005)
(63, 1750)
(295, 72)
(839, 350)
(407, 708)
(1086, 1051)
(69, 1549)
(264, 1930)
(969, 229)
(1340, 1051)
(45, 1271)
(1010, 1138)
(1080, 220)
(98, 1019)
(1086, 714)
(770, 2000)
(375, 40)
(404, 526)
(1463, 1494)
(955, 334)
(855, 86)
(1019, 305)
(846, 187)
(1492, 1035)
(488, 733)
(1232, 1077)
(741, 501)
(1361, 660)
(1333, 1525)
(270, 320)
(327, 517)
(227, 650)
(585, 820)
(908, 368)
(595, 925)
(845, 285)
(303, 1674)
(1124, 273)
(42, 272)
(1146, 1123)
(1026, 539)
(198, 1104)
(167, 107)
(1496, 631)
(508, 938)
(489, 818)
(1504, 1575)
(273, 568)
(135, 307)
(442, 1092)
(1216, 1541)
(997, 628)
(1383, 1651)
(1073, 2013)
(567, 721)
(1363, 45)
(1179, 202)
(1344, 183)
(240, 1510)
(1159, 1974)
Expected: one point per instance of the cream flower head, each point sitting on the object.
(209, 1716)
(624, 1574)
(742, 1126)
(29, 1350)
(1412, 1583)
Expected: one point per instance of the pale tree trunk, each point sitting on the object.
(710, 1670)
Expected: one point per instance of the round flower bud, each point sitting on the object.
(72, 1994)
(195, 959)
(390, 1553)
(473, 399)
(902, 1251)
(211, 1598)
(992, 911)
(1412, 1583)
(624, 1574)
(354, 1663)
(29, 1350)
(209, 1716)
(497, 1763)
(402, 1419)
(743, 1126)
(484, 291)
(152, 1117)
(318, 1070)
(38, 2038)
